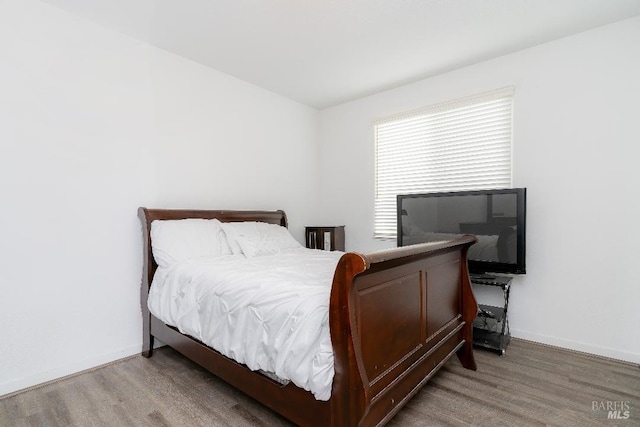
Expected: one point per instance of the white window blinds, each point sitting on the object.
(458, 145)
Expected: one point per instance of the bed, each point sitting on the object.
(394, 318)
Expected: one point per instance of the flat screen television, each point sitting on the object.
(496, 217)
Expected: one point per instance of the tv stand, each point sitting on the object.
(491, 326)
(482, 277)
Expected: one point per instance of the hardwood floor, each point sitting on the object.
(532, 385)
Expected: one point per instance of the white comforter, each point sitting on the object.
(269, 312)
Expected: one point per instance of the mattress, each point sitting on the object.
(270, 313)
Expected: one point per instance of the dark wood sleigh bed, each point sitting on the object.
(395, 317)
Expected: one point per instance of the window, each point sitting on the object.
(458, 145)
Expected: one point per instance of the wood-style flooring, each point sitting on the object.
(532, 385)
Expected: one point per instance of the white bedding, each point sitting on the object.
(268, 312)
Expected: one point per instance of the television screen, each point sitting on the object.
(495, 217)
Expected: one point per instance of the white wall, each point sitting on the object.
(92, 125)
(576, 134)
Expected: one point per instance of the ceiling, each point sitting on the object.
(325, 52)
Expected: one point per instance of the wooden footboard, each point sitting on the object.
(396, 317)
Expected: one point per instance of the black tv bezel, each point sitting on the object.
(478, 267)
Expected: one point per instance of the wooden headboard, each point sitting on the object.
(148, 215)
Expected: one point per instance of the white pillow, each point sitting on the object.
(224, 242)
(182, 239)
(258, 238)
(228, 238)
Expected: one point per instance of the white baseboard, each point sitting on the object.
(41, 378)
(577, 346)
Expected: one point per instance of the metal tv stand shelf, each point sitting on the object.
(491, 326)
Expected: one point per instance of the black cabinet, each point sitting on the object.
(325, 238)
(491, 326)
